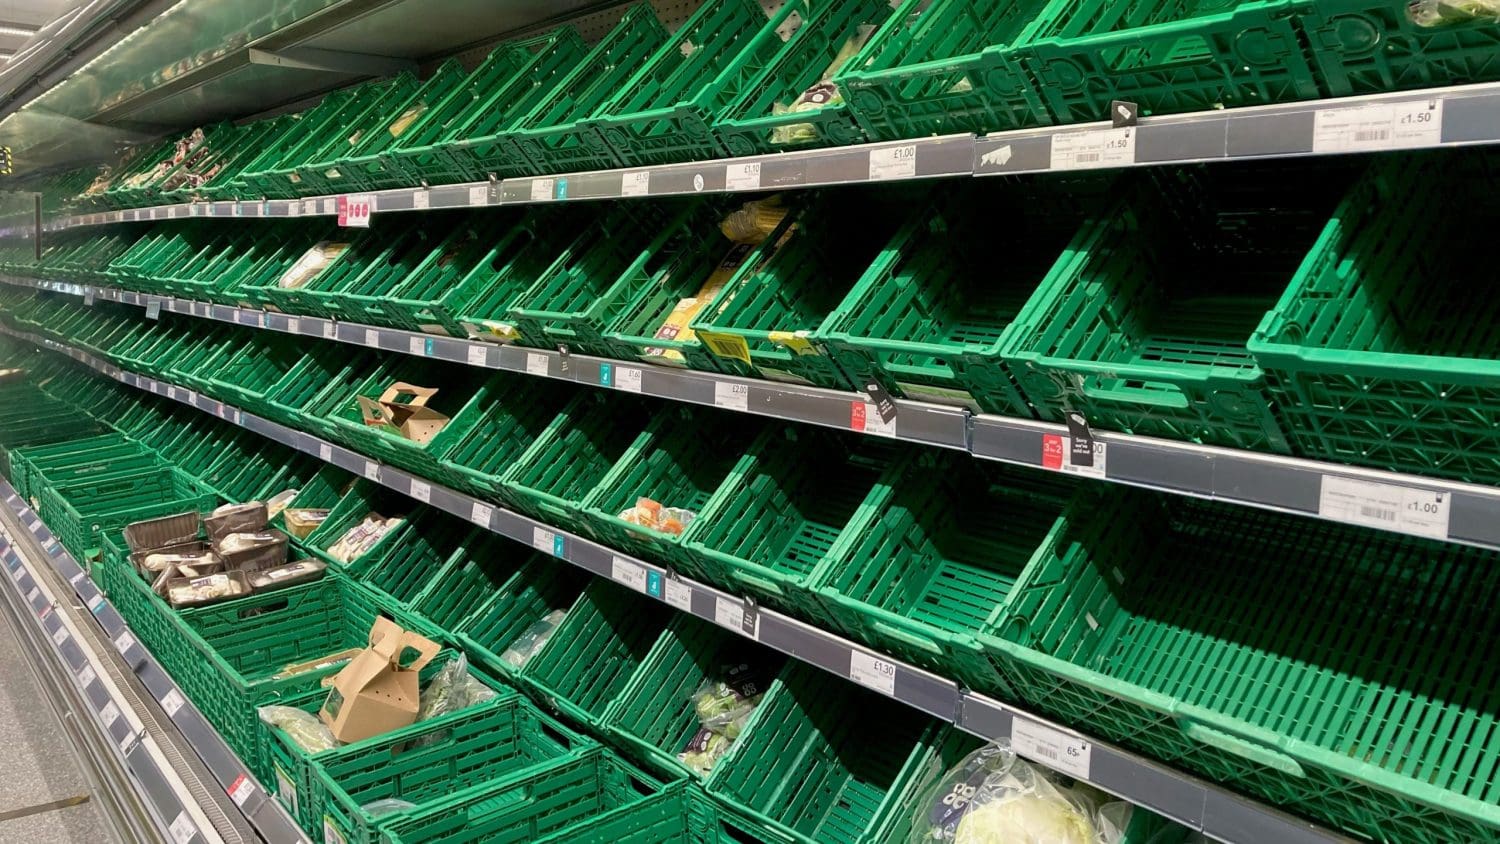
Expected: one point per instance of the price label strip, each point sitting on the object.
(1416, 123)
(1093, 148)
(1420, 512)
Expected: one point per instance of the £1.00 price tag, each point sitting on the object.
(1421, 512)
(898, 162)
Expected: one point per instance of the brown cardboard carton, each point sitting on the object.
(404, 407)
(378, 691)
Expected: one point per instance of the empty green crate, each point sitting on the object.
(1166, 55)
(1378, 352)
(948, 544)
(519, 410)
(1362, 47)
(591, 797)
(550, 480)
(79, 514)
(787, 287)
(758, 117)
(297, 397)
(654, 717)
(542, 585)
(481, 302)
(1141, 324)
(680, 461)
(664, 111)
(402, 571)
(1335, 672)
(822, 760)
(481, 567)
(784, 509)
(366, 253)
(943, 67)
(460, 395)
(248, 377)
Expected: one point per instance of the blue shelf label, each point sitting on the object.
(653, 584)
(429, 347)
(562, 189)
(606, 375)
(557, 545)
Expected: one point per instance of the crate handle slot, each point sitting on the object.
(1242, 747)
(757, 582)
(552, 732)
(1159, 394)
(274, 606)
(919, 642)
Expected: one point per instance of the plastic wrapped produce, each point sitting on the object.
(362, 537)
(1449, 12)
(528, 643)
(236, 518)
(454, 688)
(303, 728)
(291, 574)
(821, 93)
(650, 514)
(162, 562)
(723, 707)
(196, 591)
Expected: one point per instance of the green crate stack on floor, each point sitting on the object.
(924, 318)
(571, 302)
(1217, 638)
(679, 461)
(551, 479)
(951, 539)
(80, 512)
(1366, 361)
(503, 631)
(1362, 47)
(40, 421)
(790, 102)
(34, 467)
(786, 506)
(762, 321)
(555, 135)
(1127, 330)
(511, 81)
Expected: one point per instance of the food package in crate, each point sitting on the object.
(312, 262)
(362, 537)
(248, 517)
(1450, 12)
(723, 707)
(291, 574)
(302, 522)
(378, 690)
(533, 639)
(209, 589)
(821, 93)
(402, 409)
(650, 514)
(264, 549)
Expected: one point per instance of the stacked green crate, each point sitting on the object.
(1334, 671)
(80, 513)
(519, 410)
(572, 301)
(366, 164)
(785, 508)
(513, 80)
(942, 67)
(460, 395)
(143, 171)
(313, 169)
(925, 317)
(550, 480)
(555, 135)
(680, 461)
(224, 183)
(1369, 359)
(784, 291)
(480, 567)
(786, 103)
(68, 462)
(1363, 47)
(248, 377)
(664, 111)
(278, 264)
(195, 161)
(1141, 324)
(501, 633)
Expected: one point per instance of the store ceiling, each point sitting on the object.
(206, 60)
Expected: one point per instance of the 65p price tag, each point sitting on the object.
(1053, 748)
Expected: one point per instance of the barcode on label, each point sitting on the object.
(1066, 753)
(1373, 135)
(481, 513)
(241, 790)
(729, 613)
(1378, 513)
(536, 364)
(182, 828)
(628, 573)
(1087, 157)
(679, 595)
(421, 491)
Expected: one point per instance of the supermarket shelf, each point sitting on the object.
(1431, 118)
(1427, 507)
(1218, 813)
(178, 815)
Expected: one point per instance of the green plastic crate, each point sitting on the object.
(275, 175)
(1333, 671)
(951, 540)
(519, 410)
(478, 569)
(919, 324)
(500, 741)
(1167, 56)
(750, 124)
(653, 716)
(822, 760)
(785, 507)
(680, 460)
(459, 139)
(78, 514)
(1377, 352)
(1125, 330)
(594, 652)
(352, 288)
(222, 161)
(787, 288)
(550, 480)
(249, 376)
(402, 571)
(591, 797)
(1363, 47)
(297, 397)
(360, 500)
(540, 586)
(482, 300)
(664, 111)
(365, 254)
(943, 67)
(572, 301)
(461, 396)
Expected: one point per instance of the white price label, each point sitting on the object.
(59, 635)
(172, 212)
(77, 578)
(1415, 123)
(417, 346)
(731, 396)
(421, 200)
(729, 613)
(86, 676)
(679, 595)
(330, 205)
(636, 183)
(241, 789)
(329, 330)
(293, 325)
(542, 539)
(294, 209)
(33, 595)
(309, 207)
(893, 163)
(742, 176)
(372, 471)
(867, 420)
(628, 378)
(182, 828)
(331, 834)
(421, 490)
(372, 338)
(542, 189)
(478, 355)
(1421, 512)
(1053, 748)
(171, 702)
(325, 452)
(873, 672)
(628, 573)
(171, 392)
(479, 195)
(109, 714)
(536, 363)
(481, 513)
(124, 641)
(1093, 148)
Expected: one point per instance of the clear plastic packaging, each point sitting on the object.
(723, 707)
(312, 262)
(362, 537)
(163, 562)
(820, 93)
(528, 643)
(650, 514)
(387, 806)
(236, 518)
(197, 591)
(454, 688)
(1450, 12)
(291, 574)
(279, 502)
(305, 729)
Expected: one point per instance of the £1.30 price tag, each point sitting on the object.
(872, 672)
